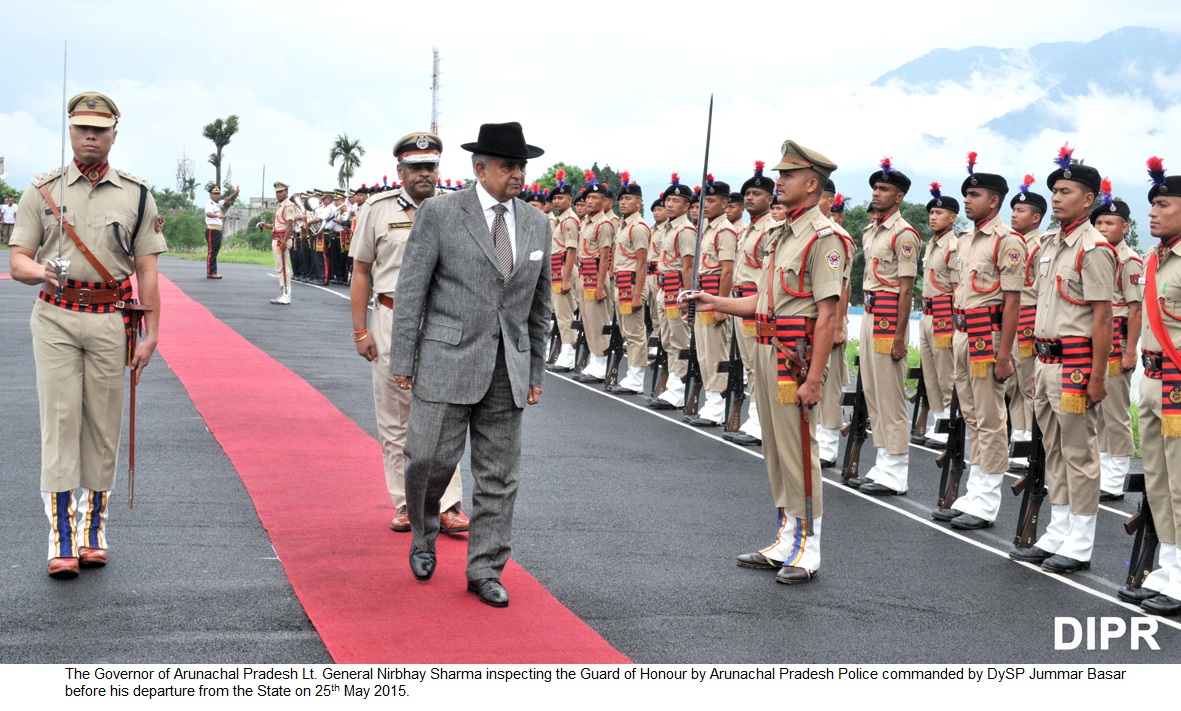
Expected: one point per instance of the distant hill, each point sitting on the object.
(1131, 61)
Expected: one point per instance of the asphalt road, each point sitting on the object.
(631, 519)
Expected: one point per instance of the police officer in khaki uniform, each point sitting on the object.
(940, 276)
(653, 298)
(796, 308)
(677, 249)
(1028, 209)
(1115, 419)
(832, 416)
(81, 343)
(563, 257)
(891, 262)
(596, 241)
(734, 210)
(1076, 277)
(719, 244)
(1160, 394)
(378, 243)
(987, 309)
(630, 262)
(282, 234)
(758, 191)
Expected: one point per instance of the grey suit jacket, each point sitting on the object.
(451, 305)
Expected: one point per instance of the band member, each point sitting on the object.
(891, 262)
(987, 309)
(941, 274)
(630, 263)
(796, 311)
(1160, 396)
(1076, 278)
(563, 257)
(1028, 209)
(215, 212)
(1110, 217)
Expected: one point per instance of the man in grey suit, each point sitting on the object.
(471, 322)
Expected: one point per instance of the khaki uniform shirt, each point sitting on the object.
(719, 243)
(634, 234)
(1059, 279)
(94, 212)
(891, 251)
(748, 263)
(1168, 288)
(942, 273)
(1129, 280)
(1033, 246)
(284, 214)
(598, 232)
(380, 237)
(989, 256)
(565, 230)
(680, 239)
(817, 279)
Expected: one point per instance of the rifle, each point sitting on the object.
(658, 366)
(735, 385)
(1031, 487)
(693, 379)
(922, 408)
(952, 460)
(581, 350)
(1146, 542)
(555, 343)
(615, 350)
(858, 428)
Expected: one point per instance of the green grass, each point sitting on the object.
(231, 255)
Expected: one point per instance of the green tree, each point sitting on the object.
(573, 177)
(220, 132)
(7, 191)
(349, 154)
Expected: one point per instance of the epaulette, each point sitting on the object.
(822, 230)
(384, 196)
(133, 178)
(43, 178)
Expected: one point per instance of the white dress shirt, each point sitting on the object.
(510, 219)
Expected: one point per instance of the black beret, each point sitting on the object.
(830, 187)
(1115, 207)
(630, 188)
(717, 187)
(1083, 174)
(658, 202)
(887, 174)
(736, 197)
(945, 202)
(678, 188)
(992, 181)
(1030, 198)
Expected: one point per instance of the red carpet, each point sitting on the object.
(327, 513)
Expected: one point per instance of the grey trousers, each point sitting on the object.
(434, 444)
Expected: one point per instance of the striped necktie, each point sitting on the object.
(500, 241)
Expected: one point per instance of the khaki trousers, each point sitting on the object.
(884, 381)
(1020, 391)
(392, 405)
(982, 402)
(674, 338)
(938, 366)
(1162, 464)
(782, 443)
(635, 335)
(564, 313)
(1071, 443)
(80, 359)
(654, 298)
(595, 315)
(713, 347)
(1115, 418)
(283, 261)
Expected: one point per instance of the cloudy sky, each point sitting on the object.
(625, 84)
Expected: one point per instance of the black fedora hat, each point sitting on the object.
(504, 140)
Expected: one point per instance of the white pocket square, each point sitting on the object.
(535, 256)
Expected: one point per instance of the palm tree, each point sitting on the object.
(220, 132)
(349, 153)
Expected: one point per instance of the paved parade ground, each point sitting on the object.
(260, 529)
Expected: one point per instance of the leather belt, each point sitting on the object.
(1153, 360)
(88, 297)
(386, 301)
(1048, 349)
(767, 329)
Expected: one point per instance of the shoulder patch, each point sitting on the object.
(907, 248)
(834, 259)
(43, 178)
(1088, 247)
(384, 196)
(159, 222)
(1014, 256)
(1136, 278)
(133, 178)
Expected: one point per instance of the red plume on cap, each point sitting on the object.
(696, 189)
(448, 182)
(1156, 170)
(676, 179)
(838, 202)
(1029, 179)
(759, 165)
(459, 185)
(935, 186)
(972, 163)
(625, 178)
(384, 180)
(1105, 191)
(535, 187)
(709, 179)
(1064, 154)
(886, 166)
(561, 177)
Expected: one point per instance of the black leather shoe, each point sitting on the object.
(856, 482)
(490, 590)
(1063, 565)
(945, 514)
(828, 463)
(968, 522)
(934, 444)
(742, 438)
(558, 368)
(876, 489)
(1135, 595)
(589, 379)
(1162, 605)
(422, 563)
(758, 561)
(791, 575)
(1033, 554)
(657, 404)
(1108, 496)
(699, 421)
(619, 390)
(1018, 467)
